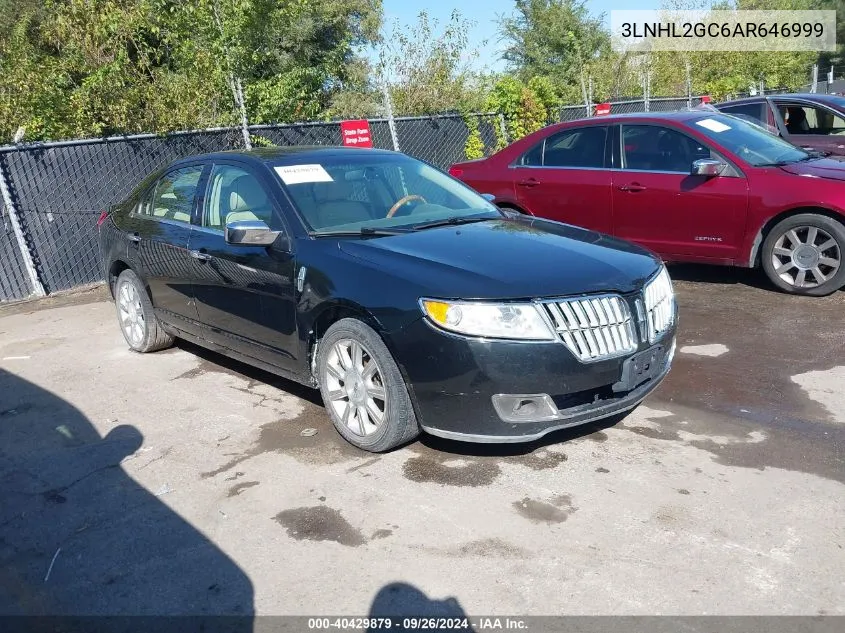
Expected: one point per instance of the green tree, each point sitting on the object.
(523, 110)
(556, 39)
(427, 68)
(71, 68)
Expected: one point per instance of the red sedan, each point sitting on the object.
(694, 186)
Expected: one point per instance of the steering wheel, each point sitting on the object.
(403, 201)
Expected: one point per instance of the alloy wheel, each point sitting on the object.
(806, 257)
(355, 385)
(131, 314)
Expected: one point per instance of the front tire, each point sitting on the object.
(363, 389)
(803, 255)
(138, 323)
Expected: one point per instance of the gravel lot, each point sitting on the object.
(181, 482)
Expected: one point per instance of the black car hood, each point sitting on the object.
(508, 259)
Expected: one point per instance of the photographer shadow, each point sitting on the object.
(400, 600)
(79, 537)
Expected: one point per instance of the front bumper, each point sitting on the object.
(453, 381)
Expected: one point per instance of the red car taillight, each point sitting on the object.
(456, 172)
(103, 216)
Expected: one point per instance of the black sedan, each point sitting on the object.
(411, 301)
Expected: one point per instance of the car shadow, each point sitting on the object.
(225, 364)
(80, 537)
(728, 275)
(517, 449)
(218, 362)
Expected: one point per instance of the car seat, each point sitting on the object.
(247, 201)
(672, 153)
(334, 206)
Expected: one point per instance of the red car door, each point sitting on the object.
(566, 177)
(660, 205)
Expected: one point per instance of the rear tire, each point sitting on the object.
(803, 255)
(363, 389)
(138, 323)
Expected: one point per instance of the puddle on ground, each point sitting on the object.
(451, 471)
(557, 510)
(381, 534)
(482, 548)
(735, 441)
(237, 489)
(319, 523)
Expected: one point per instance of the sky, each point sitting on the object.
(485, 14)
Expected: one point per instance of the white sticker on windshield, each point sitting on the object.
(297, 174)
(713, 125)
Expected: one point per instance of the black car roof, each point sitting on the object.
(287, 155)
(806, 96)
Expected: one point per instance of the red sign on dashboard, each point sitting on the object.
(356, 133)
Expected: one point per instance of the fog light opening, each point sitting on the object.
(525, 407)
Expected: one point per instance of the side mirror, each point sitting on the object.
(707, 167)
(489, 197)
(249, 233)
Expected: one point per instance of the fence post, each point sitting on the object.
(689, 86)
(503, 128)
(388, 106)
(26, 255)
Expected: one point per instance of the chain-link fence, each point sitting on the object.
(57, 190)
(652, 104)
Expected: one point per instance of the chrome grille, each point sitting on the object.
(660, 305)
(594, 328)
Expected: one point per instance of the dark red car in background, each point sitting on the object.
(696, 186)
(810, 121)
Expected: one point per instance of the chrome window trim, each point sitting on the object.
(143, 216)
(513, 166)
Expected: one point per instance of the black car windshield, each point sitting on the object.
(751, 143)
(359, 192)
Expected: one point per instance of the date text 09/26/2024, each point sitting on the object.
(477, 624)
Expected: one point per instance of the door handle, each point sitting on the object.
(633, 187)
(134, 237)
(529, 182)
(203, 257)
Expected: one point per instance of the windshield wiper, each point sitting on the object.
(364, 231)
(453, 221)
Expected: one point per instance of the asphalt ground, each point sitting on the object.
(182, 482)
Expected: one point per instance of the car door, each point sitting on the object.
(657, 203)
(244, 293)
(159, 230)
(812, 126)
(566, 177)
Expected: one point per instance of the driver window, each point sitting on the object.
(234, 194)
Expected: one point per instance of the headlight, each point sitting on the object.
(490, 320)
(659, 305)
